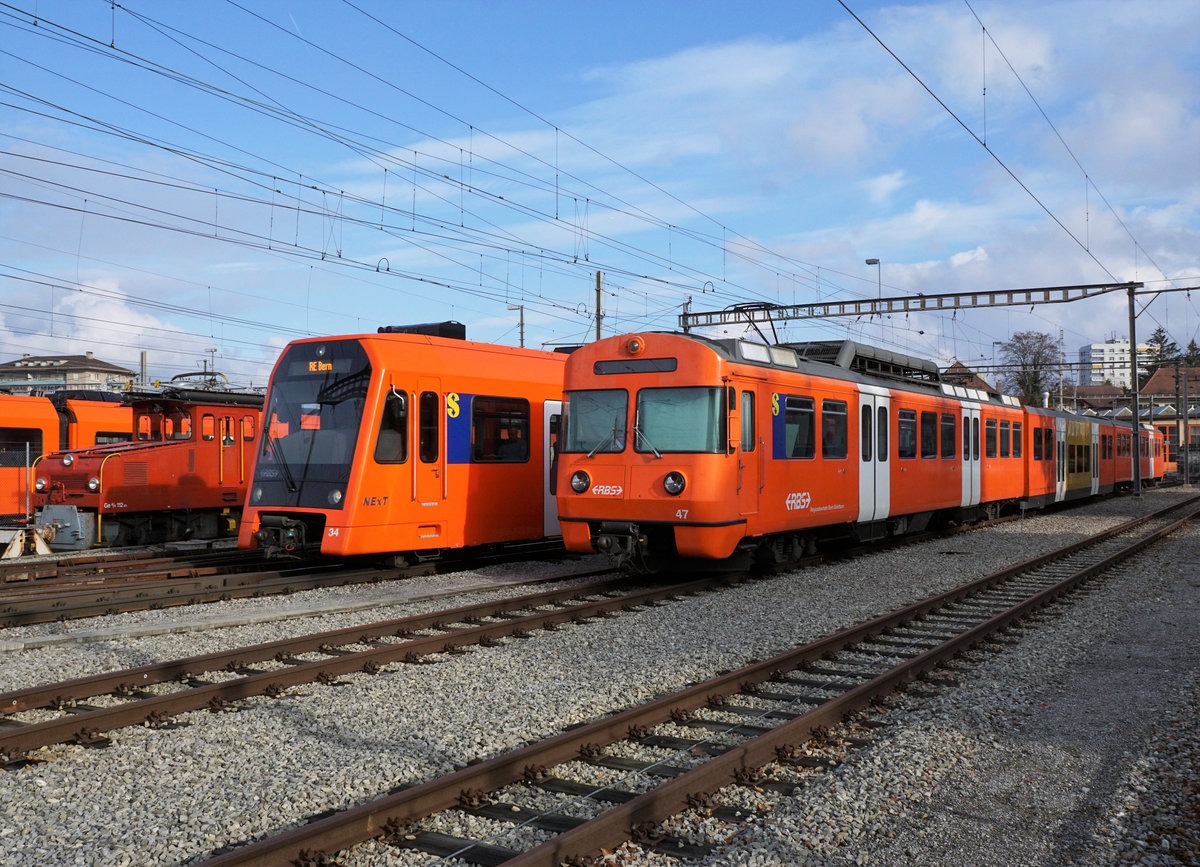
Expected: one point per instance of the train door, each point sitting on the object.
(551, 423)
(1095, 456)
(874, 426)
(429, 469)
(1060, 459)
(750, 454)
(972, 475)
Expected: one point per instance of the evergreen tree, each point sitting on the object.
(1163, 350)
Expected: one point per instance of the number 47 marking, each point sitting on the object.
(681, 514)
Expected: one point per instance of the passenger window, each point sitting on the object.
(1005, 434)
(834, 434)
(748, 437)
(1037, 443)
(12, 445)
(966, 452)
(431, 418)
(864, 433)
(949, 436)
(881, 435)
(800, 420)
(499, 429)
(391, 443)
(929, 429)
(1016, 439)
(906, 433)
(975, 438)
(990, 438)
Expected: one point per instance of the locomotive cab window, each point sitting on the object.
(208, 427)
(177, 425)
(690, 419)
(748, 421)
(391, 442)
(499, 429)
(595, 420)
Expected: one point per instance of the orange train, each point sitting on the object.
(32, 426)
(405, 443)
(678, 446)
(183, 476)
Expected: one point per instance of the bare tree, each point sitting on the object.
(1033, 361)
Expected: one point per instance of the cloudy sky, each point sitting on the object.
(207, 181)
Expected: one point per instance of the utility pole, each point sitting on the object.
(521, 320)
(599, 315)
(1133, 372)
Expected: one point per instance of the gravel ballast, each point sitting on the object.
(1071, 742)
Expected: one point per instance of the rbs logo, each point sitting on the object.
(797, 502)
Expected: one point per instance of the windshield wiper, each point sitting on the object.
(641, 437)
(288, 478)
(611, 438)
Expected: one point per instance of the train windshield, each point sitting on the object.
(314, 410)
(596, 420)
(679, 420)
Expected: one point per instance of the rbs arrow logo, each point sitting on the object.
(797, 502)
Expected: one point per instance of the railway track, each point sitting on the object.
(70, 589)
(716, 733)
(152, 694)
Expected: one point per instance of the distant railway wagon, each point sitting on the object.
(405, 443)
(678, 446)
(183, 476)
(32, 426)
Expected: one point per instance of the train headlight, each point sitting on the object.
(93, 484)
(335, 497)
(580, 481)
(39, 485)
(68, 460)
(674, 483)
(256, 495)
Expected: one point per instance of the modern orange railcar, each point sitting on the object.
(184, 475)
(678, 446)
(405, 443)
(32, 426)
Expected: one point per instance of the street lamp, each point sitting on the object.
(878, 276)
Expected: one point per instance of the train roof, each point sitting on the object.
(196, 396)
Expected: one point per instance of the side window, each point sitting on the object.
(391, 443)
(1016, 440)
(12, 445)
(929, 432)
(990, 438)
(906, 433)
(208, 427)
(864, 433)
(499, 429)
(228, 428)
(966, 452)
(881, 435)
(975, 438)
(1005, 438)
(949, 436)
(430, 411)
(748, 437)
(248, 428)
(1037, 443)
(800, 420)
(833, 429)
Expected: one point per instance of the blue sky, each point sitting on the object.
(207, 181)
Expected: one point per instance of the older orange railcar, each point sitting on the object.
(405, 443)
(183, 476)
